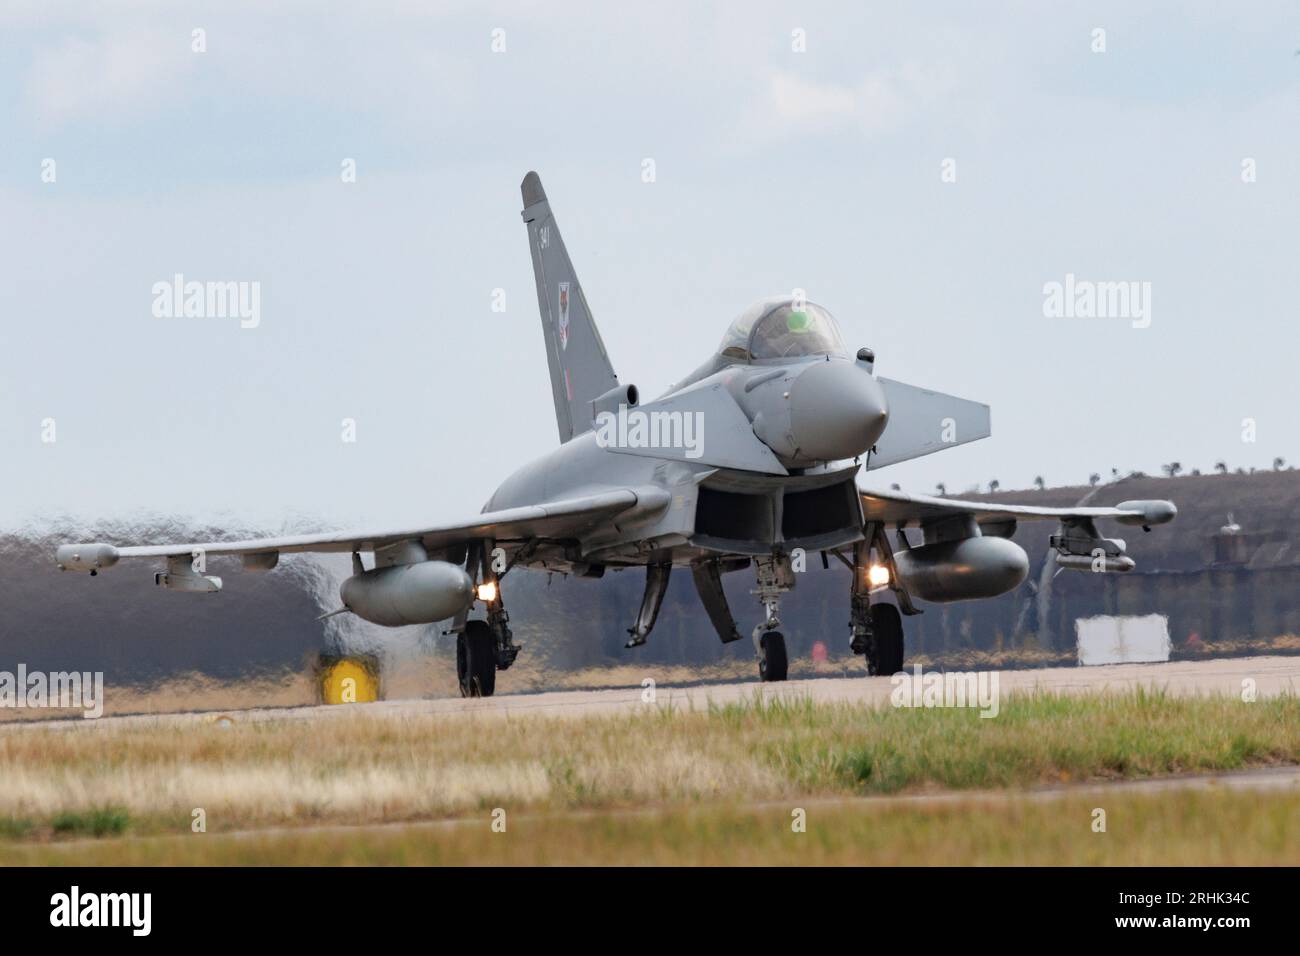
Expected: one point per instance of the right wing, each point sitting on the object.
(558, 519)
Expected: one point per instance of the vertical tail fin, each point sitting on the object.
(580, 369)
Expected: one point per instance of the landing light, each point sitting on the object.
(877, 575)
(487, 591)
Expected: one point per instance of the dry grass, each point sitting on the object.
(367, 766)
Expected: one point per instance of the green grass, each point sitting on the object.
(1035, 739)
(1221, 828)
(12, 828)
(102, 821)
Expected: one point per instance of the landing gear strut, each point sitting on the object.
(861, 641)
(775, 577)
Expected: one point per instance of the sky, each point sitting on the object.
(923, 170)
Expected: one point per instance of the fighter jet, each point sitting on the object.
(749, 462)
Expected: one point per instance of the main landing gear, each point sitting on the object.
(885, 654)
(476, 660)
(487, 646)
(877, 629)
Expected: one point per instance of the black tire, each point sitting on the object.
(773, 664)
(476, 660)
(886, 654)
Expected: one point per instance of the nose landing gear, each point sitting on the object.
(772, 661)
(775, 577)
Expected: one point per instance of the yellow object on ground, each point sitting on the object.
(348, 680)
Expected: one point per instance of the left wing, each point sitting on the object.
(1078, 545)
(896, 507)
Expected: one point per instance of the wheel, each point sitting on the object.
(886, 653)
(772, 662)
(476, 660)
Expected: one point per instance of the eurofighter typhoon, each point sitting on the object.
(749, 460)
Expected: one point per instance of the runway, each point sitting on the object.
(1264, 676)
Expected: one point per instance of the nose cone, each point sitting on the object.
(837, 410)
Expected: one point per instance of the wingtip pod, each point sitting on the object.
(531, 189)
(85, 557)
(1149, 512)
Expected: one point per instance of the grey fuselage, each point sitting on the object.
(702, 510)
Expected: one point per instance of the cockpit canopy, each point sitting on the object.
(780, 329)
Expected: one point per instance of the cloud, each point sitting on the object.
(113, 76)
(802, 102)
(879, 103)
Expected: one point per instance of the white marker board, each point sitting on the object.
(1122, 640)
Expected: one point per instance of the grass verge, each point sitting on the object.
(1223, 828)
(368, 767)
